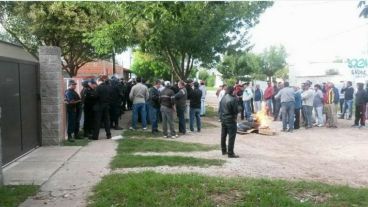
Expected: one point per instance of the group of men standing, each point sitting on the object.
(100, 103)
(163, 100)
(289, 104)
(103, 103)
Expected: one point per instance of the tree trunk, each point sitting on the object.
(113, 62)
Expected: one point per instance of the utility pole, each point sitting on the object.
(113, 62)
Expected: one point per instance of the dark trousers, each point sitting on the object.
(114, 115)
(360, 114)
(153, 116)
(88, 120)
(103, 115)
(342, 105)
(181, 116)
(241, 106)
(228, 129)
(73, 117)
(297, 119)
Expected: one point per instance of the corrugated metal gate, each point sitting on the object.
(19, 100)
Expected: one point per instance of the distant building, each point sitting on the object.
(103, 67)
(349, 69)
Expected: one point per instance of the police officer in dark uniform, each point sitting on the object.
(101, 108)
(73, 109)
(88, 95)
(229, 113)
(115, 105)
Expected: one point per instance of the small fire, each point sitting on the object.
(262, 118)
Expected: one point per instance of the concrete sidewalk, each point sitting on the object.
(66, 174)
(38, 166)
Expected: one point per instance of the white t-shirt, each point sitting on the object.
(221, 95)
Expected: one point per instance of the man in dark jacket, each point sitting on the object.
(88, 95)
(73, 109)
(154, 105)
(180, 99)
(115, 105)
(167, 110)
(195, 107)
(229, 115)
(360, 105)
(348, 92)
(101, 108)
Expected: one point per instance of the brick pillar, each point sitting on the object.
(52, 96)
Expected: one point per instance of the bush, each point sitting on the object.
(203, 75)
(210, 82)
(230, 81)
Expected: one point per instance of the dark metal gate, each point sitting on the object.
(19, 100)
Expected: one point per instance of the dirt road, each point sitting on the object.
(320, 154)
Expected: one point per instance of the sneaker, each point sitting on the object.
(165, 136)
(108, 136)
(131, 128)
(145, 128)
(176, 136)
(355, 125)
(320, 125)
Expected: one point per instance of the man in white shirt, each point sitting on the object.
(202, 87)
(247, 96)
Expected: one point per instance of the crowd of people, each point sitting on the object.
(104, 100)
(309, 105)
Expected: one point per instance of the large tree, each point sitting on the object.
(62, 24)
(150, 68)
(273, 59)
(239, 65)
(185, 33)
(364, 6)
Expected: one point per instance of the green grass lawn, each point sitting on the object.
(125, 158)
(77, 142)
(129, 161)
(160, 145)
(167, 190)
(12, 196)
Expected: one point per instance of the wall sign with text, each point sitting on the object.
(358, 67)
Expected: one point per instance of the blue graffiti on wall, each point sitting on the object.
(358, 67)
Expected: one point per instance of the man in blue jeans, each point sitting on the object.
(139, 95)
(195, 107)
(154, 105)
(180, 100)
(348, 102)
(287, 99)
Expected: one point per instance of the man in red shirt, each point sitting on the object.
(268, 93)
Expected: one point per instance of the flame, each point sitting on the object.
(262, 118)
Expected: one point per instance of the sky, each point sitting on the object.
(313, 30)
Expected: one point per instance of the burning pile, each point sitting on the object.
(260, 124)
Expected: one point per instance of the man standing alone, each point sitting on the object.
(229, 115)
(139, 95)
